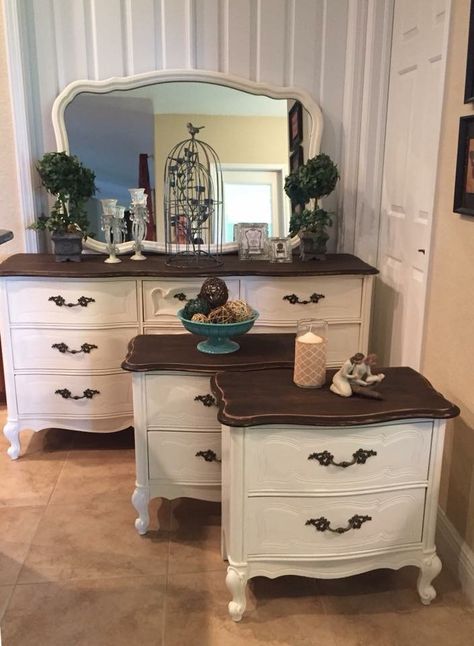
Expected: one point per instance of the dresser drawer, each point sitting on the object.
(171, 403)
(172, 457)
(277, 526)
(161, 302)
(70, 349)
(278, 459)
(36, 395)
(76, 302)
(341, 297)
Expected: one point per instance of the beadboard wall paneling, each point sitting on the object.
(280, 42)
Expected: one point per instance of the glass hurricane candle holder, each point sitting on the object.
(310, 353)
(106, 225)
(139, 218)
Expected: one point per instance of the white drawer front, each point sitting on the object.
(172, 457)
(278, 525)
(171, 402)
(37, 396)
(89, 349)
(160, 300)
(112, 301)
(278, 459)
(342, 297)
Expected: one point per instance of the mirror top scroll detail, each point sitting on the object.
(123, 128)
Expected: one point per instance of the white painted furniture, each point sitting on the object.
(333, 487)
(65, 326)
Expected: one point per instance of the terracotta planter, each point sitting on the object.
(67, 246)
(310, 247)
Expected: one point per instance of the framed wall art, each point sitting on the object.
(469, 87)
(464, 183)
(296, 159)
(295, 125)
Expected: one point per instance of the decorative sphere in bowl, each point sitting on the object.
(218, 334)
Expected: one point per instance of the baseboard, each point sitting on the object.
(455, 554)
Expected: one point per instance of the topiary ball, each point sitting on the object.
(196, 306)
(214, 291)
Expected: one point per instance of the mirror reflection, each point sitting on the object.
(125, 136)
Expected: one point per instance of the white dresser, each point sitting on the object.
(65, 326)
(316, 485)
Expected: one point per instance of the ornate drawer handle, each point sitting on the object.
(294, 299)
(82, 301)
(85, 348)
(209, 455)
(88, 393)
(181, 296)
(207, 400)
(322, 524)
(359, 457)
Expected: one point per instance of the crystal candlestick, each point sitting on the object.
(106, 221)
(139, 218)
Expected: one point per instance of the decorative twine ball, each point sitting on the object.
(221, 315)
(214, 291)
(200, 318)
(240, 310)
(196, 306)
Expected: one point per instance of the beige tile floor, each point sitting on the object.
(73, 571)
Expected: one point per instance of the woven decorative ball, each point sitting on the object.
(240, 310)
(214, 291)
(196, 306)
(221, 315)
(200, 318)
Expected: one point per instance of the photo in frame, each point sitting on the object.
(280, 250)
(252, 239)
(295, 125)
(469, 85)
(464, 182)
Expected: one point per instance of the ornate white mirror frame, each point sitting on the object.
(315, 120)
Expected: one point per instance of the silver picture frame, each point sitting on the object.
(280, 250)
(252, 238)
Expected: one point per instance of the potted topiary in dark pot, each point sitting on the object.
(315, 179)
(71, 184)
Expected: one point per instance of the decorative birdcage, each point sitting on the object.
(193, 200)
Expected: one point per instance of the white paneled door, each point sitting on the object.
(419, 45)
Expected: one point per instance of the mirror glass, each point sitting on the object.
(111, 131)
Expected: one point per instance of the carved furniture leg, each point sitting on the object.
(428, 571)
(11, 430)
(236, 582)
(140, 500)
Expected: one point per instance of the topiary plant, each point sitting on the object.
(71, 184)
(311, 181)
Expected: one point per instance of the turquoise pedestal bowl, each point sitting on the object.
(218, 334)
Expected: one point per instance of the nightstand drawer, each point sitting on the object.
(70, 348)
(300, 459)
(72, 302)
(338, 297)
(278, 526)
(172, 456)
(171, 402)
(97, 395)
(163, 298)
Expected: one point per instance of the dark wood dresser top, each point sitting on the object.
(271, 397)
(179, 352)
(93, 266)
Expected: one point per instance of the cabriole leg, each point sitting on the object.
(140, 500)
(11, 430)
(236, 582)
(428, 571)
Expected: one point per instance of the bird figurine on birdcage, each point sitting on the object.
(193, 200)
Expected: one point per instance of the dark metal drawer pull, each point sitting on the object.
(359, 457)
(209, 455)
(323, 524)
(207, 400)
(181, 296)
(294, 299)
(85, 348)
(82, 301)
(88, 393)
